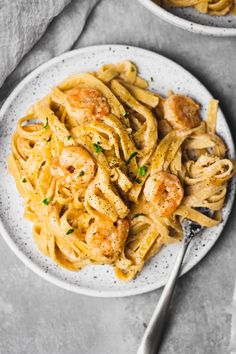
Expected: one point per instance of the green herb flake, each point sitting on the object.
(24, 180)
(81, 173)
(152, 79)
(136, 215)
(69, 137)
(132, 69)
(97, 147)
(131, 157)
(69, 231)
(46, 201)
(46, 125)
(137, 180)
(142, 170)
(126, 115)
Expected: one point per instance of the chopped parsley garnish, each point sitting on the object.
(131, 157)
(126, 115)
(142, 170)
(69, 231)
(152, 78)
(24, 180)
(46, 201)
(46, 125)
(97, 147)
(132, 69)
(137, 180)
(136, 215)
(81, 173)
(69, 137)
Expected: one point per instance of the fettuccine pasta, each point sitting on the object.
(210, 7)
(109, 169)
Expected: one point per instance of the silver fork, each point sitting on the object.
(152, 337)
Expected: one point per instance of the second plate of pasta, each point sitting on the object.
(214, 18)
(111, 147)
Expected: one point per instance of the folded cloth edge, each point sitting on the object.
(59, 37)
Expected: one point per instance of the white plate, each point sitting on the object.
(191, 20)
(97, 280)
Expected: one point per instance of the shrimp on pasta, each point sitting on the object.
(109, 169)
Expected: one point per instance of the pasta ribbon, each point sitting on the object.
(213, 8)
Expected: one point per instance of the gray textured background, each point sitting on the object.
(37, 317)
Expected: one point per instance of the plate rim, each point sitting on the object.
(194, 27)
(53, 279)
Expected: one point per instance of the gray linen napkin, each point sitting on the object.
(32, 32)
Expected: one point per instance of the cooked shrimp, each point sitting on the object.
(107, 239)
(181, 112)
(75, 166)
(89, 99)
(165, 191)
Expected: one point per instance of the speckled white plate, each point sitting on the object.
(191, 20)
(97, 280)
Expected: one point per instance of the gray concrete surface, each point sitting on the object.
(37, 317)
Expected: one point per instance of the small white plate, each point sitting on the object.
(191, 20)
(97, 280)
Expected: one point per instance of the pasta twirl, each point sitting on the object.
(109, 169)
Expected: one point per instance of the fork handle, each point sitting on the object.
(153, 334)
